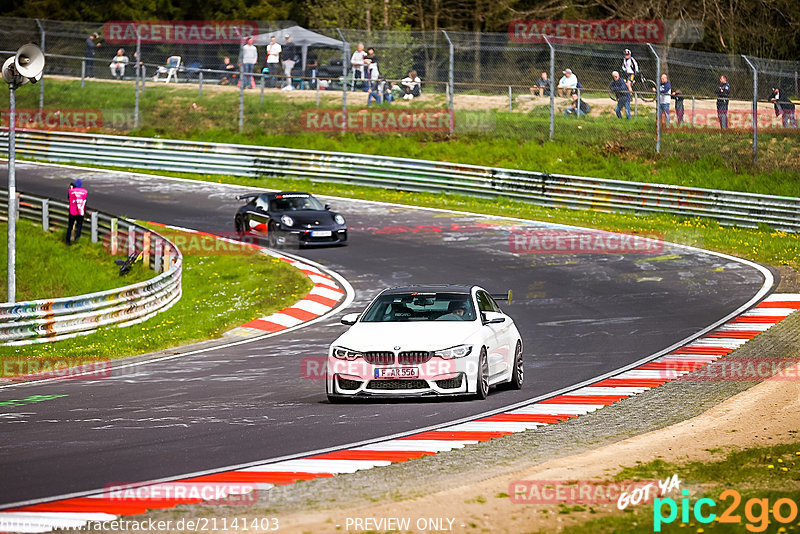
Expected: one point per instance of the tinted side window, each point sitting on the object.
(484, 302)
(495, 307)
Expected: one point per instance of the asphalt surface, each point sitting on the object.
(580, 316)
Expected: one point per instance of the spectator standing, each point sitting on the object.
(578, 107)
(664, 99)
(92, 42)
(723, 93)
(248, 60)
(273, 59)
(567, 83)
(411, 85)
(77, 207)
(630, 67)
(678, 105)
(784, 108)
(291, 55)
(371, 64)
(118, 64)
(357, 62)
(623, 94)
(542, 87)
(312, 64)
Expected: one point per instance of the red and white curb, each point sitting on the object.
(719, 342)
(326, 295)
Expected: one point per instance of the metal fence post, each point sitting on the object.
(755, 110)
(200, 83)
(131, 239)
(345, 58)
(552, 85)
(138, 59)
(693, 101)
(83, 72)
(41, 82)
(241, 84)
(658, 98)
(157, 264)
(144, 76)
(94, 226)
(46, 215)
(510, 98)
(450, 82)
(114, 235)
(263, 83)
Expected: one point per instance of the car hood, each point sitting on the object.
(417, 335)
(311, 217)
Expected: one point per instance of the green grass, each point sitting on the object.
(47, 268)
(220, 291)
(770, 473)
(599, 145)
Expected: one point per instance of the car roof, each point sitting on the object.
(430, 288)
(284, 194)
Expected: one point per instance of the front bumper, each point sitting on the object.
(306, 237)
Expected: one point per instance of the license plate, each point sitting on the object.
(397, 372)
(321, 233)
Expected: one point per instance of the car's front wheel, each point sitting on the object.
(272, 235)
(483, 376)
(518, 373)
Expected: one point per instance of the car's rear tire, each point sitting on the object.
(518, 373)
(238, 226)
(482, 389)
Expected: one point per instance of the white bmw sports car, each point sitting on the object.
(426, 340)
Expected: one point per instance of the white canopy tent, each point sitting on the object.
(301, 37)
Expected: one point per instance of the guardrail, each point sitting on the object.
(549, 190)
(38, 321)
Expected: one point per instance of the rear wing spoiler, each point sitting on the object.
(502, 296)
(247, 196)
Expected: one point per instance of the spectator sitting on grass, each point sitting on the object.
(576, 109)
(118, 64)
(567, 83)
(230, 71)
(542, 87)
(395, 90)
(380, 92)
(411, 85)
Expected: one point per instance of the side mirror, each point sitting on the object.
(327, 206)
(350, 319)
(492, 318)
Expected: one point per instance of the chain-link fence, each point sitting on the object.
(470, 84)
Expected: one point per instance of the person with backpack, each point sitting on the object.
(784, 108)
(77, 207)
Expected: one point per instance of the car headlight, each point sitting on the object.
(344, 353)
(458, 351)
(286, 220)
(338, 218)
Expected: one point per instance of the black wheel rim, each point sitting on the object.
(520, 367)
(484, 374)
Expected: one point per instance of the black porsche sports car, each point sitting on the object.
(290, 218)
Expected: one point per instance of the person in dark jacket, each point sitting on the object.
(579, 107)
(678, 96)
(92, 42)
(723, 93)
(784, 108)
(623, 95)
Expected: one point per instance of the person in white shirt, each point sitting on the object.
(567, 83)
(273, 59)
(248, 61)
(411, 85)
(118, 64)
(357, 62)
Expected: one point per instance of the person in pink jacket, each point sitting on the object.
(77, 207)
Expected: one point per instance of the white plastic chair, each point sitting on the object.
(173, 64)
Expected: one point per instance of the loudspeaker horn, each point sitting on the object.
(29, 61)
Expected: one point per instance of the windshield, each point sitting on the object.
(295, 203)
(406, 307)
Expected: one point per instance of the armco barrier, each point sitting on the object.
(38, 321)
(549, 190)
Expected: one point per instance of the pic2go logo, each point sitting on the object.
(756, 511)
